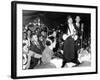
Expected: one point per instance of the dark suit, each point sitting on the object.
(77, 43)
(68, 55)
(68, 49)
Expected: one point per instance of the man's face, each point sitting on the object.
(77, 19)
(34, 38)
(70, 20)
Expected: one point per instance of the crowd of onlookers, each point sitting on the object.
(41, 44)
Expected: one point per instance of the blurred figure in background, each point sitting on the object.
(48, 51)
(25, 50)
(78, 42)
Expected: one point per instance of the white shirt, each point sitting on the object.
(72, 29)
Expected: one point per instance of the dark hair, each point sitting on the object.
(48, 43)
(24, 44)
(32, 35)
(51, 38)
(68, 17)
(30, 26)
(50, 32)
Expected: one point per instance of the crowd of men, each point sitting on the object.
(41, 45)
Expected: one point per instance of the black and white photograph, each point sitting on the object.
(54, 39)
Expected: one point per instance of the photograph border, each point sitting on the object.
(14, 38)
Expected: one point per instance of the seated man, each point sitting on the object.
(48, 51)
(47, 54)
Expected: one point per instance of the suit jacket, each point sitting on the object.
(78, 30)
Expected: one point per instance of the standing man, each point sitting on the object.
(78, 42)
(68, 49)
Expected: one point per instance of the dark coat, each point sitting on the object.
(68, 48)
(79, 34)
